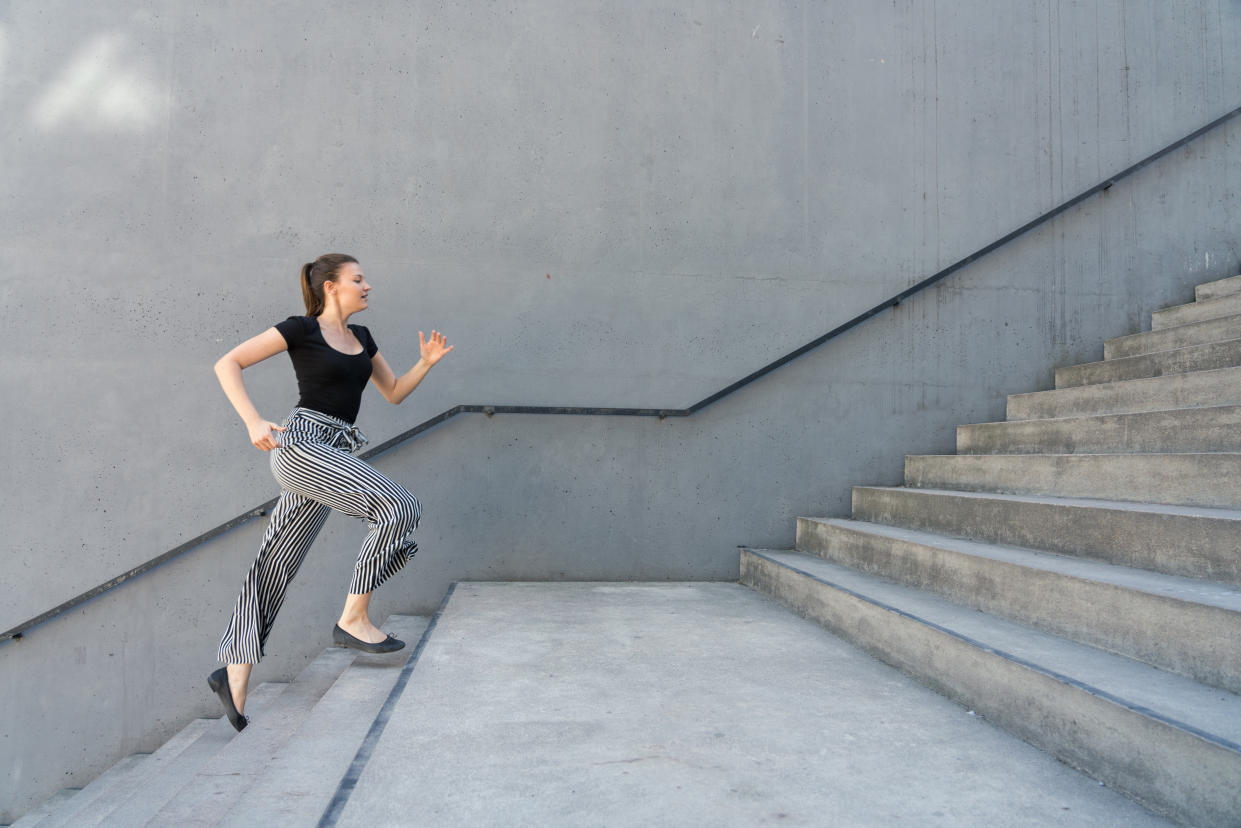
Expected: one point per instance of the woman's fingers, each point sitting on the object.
(261, 436)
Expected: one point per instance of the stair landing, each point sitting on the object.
(688, 704)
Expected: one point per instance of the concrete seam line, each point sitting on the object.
(349, 781)
(1219, 741)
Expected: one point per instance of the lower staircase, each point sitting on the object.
(1073, 574)
(301, 733)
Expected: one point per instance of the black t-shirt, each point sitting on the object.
(327, 380)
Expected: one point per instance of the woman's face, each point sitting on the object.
(350, 288)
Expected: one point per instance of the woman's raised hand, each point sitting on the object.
(261, 434)
(433, 351)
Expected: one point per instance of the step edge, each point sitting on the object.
(1134, 506)
(1196, 303)
(264, 780)
(1163, 718)
(1149, 355)
(1085, 418)
(1114, 383)
(930, 540)
(1137, 336)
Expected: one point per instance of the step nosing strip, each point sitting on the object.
(1133, 379)
(1217, 320)
(332, 814)
(1036, 560)
(1030, 665)
(1091, 418)
(1140, 507)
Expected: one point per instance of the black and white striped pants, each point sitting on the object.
(317, 473)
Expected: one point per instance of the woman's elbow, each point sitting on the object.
(226, 365)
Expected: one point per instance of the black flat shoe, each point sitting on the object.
(218, 681)
(343, 639)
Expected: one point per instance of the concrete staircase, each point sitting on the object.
(301, 734)
(1072, 574)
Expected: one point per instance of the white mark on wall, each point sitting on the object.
(1208, 267)
(102, 85)
(4, 53)
(756, 28)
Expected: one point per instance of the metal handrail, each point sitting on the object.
(19, 631)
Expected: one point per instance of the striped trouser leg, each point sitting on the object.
(336, 478)
(294, 523)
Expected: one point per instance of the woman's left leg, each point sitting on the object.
(336, 478)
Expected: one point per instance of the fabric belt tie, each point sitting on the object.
(352, 434)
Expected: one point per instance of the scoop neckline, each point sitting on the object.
(319, 330)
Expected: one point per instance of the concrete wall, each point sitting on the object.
(601, 204)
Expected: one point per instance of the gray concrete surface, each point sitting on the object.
(1179, 540)
(296, 786)
(689, 704)
(1217, 288)
(1178, 479)
(1212, 428)
(1197, 311)
(1124, 721)
(224, 778)
(149, 774)
(1212, 330)
(1186, 625)
(1203, 357)
(1201, 388)
(121, 773)
(32, 817)
(601, 204)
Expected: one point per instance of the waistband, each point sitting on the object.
(337, 427)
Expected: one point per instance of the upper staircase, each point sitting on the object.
(1073, 573)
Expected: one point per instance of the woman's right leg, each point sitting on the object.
(294, 524)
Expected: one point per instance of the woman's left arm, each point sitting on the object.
(395, 389)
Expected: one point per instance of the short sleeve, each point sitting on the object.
(293, 330)
(364, 336)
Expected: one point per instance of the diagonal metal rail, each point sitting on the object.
(19, 631)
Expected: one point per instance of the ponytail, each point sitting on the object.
(326, 268)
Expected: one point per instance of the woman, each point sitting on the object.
(311, 459)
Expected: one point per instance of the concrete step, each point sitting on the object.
(1184, 625)
(296, 785)
(121, 772)
(1226, 354)
(121, 789)
(1195, 333)
(226, 776)
(1170, 742)
(1176, 540)
(130, 775)
(172, 775)
(49, 805)
(1218, 288)
(1228, 305)
(1181, 479)
(1221, 386)
(1213, 428)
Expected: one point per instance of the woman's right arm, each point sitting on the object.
(229, 367)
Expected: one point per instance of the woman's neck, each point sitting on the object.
(331, 318)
